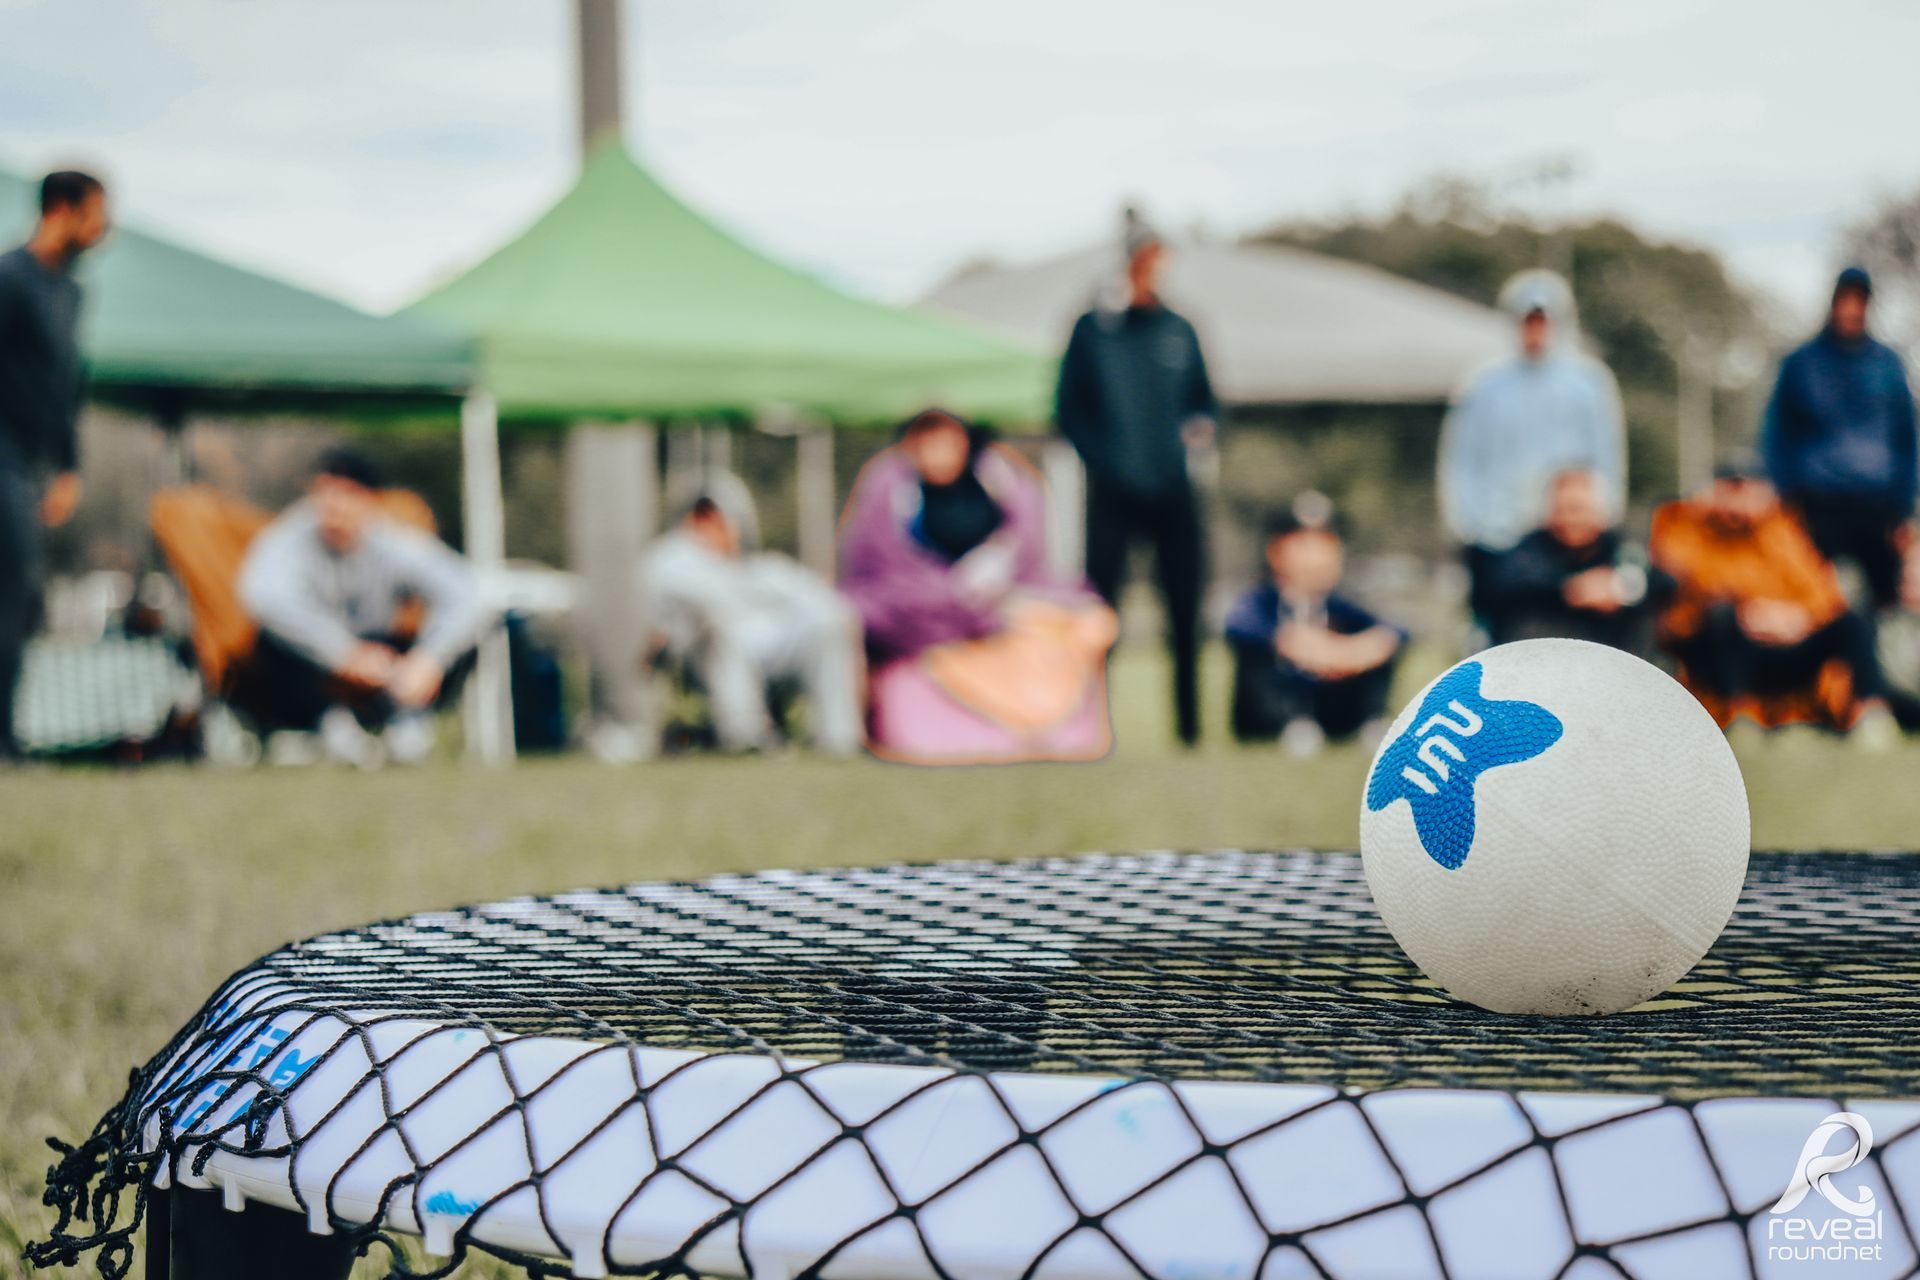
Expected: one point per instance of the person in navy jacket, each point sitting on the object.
(1309, 664)
(1839, 440)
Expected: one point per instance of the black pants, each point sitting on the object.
(278, 687)
(1860, 530)
(1723, 660)
(22, 576)
(1171, 522)
(1268, 692)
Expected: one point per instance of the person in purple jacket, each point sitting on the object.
(942, 534)
(978, 650)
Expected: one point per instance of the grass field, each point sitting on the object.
(129, 895)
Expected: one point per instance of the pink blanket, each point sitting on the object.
(1033, 691)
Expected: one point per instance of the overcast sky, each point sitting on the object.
(370, 147)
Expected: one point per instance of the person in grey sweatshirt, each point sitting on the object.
(329, 583)
(1548, 408)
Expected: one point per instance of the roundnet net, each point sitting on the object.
(1135, 973)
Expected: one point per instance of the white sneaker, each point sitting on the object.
(345, 742)
(1302, 737)
(409, 738)
(1373, 732)
(225, 741)
(1875, 730)
(293, 749)
(612, 743)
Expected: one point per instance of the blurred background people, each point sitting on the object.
(751, 627)
(1754, 614)
(1308, 663)
(365, 622)
(1570, 577)
(1133, 397)
(1839, 440)
(41, 384)
(1548, 409)
(977, 649)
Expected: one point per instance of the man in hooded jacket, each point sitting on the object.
(1549, 408)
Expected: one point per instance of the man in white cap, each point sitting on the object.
(1548, 409)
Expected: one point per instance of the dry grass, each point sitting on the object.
(129, 896)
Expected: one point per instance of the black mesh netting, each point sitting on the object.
(1136, 971)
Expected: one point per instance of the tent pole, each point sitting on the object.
(686, 467)
(176, 461)
(720, 448)
(488, 708)
(1066, 507)
(814, 495)
(1693, 447)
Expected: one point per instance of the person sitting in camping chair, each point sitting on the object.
(979, 651)
(1754, 614)
(750, 628)
(365, 623)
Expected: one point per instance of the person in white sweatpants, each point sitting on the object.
(742, 622)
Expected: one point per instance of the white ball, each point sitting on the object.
(1554, 827)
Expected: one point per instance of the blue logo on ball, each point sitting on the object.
(1456, 736)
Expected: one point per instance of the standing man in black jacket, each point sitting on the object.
(1133, 396)
(40, 386)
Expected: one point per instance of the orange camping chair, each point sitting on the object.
(204, 534)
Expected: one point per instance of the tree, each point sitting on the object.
(1887, 243)
(1646, 306)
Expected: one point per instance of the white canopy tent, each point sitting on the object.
(1281, 326)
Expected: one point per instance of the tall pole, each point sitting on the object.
(1695, 357)
(612, 481)
(814, 505)
(598, 29)
(611, 507)
(1693, 419)
(1066, 508)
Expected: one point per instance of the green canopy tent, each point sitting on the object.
(168, 330)
(621, 304)
(620, 301)
(166, 326)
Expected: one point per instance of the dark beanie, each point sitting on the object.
(351, 465)
(1854, 278)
